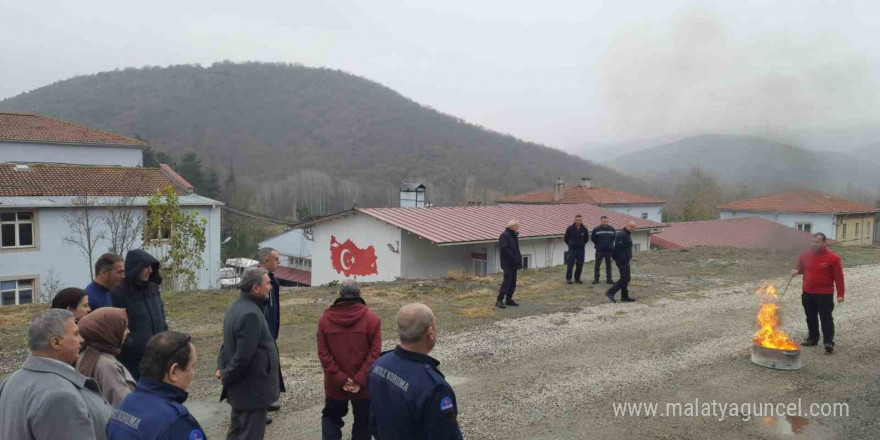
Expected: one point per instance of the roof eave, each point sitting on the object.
(89, 144)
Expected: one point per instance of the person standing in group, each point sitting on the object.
(409, 396)
(109, 271)
(576, 237)
(46, 399)
(349, 341)
(622, 255)
(155, 411)
(603, 242)
(248, 361)
(511, 262)
(74, 300)
(822, 271)
(139, 295)
(104, 332)
(269, 260)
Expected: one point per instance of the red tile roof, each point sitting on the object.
(86, 180)
(24, 127)
(745, 232)
(803, 200)
(578, 194)
(294, 275)
(446, 225)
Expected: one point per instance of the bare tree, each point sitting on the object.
(50, 286)
(124, 224)
(84, 223)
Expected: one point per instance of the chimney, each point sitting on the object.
(586, 182)
(558, 190)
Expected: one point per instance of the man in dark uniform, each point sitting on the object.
(511, 261)
(603, 241)
(622, 255)
(154, 410)
(576, 237)
(409, 397)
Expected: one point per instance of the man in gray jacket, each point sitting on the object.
(47, 398)
(248, 361)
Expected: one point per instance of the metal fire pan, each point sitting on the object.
(777, 359)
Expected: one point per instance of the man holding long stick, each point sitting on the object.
(822, 270)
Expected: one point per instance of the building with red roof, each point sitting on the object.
(846, 221)
(585, 192)
(383, 244)
(51, 173)
(740, 232)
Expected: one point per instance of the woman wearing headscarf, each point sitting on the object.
(104, 331)
(74, 299)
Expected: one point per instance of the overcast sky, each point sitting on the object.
(565, 73)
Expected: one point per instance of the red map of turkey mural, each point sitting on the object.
(349, 260)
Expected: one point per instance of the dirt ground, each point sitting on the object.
(554, 367)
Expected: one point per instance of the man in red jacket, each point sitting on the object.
(822, 271)
(349, 341)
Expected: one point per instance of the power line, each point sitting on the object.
(256, 216)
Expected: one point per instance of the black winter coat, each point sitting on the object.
(248, 359)
(273, 308)
(576, 238)
(143, 304)
(623, 245)
(603, 238)
(508, 245)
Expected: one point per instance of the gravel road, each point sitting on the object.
(557, 376)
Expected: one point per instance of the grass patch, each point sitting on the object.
(478, 312)
(559, 322)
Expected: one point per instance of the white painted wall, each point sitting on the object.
(655, 212)
(71, 154)
(824, 223)
(363, 231)
(71, 268)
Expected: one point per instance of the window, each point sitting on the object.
(857, 231)
(481, 267)
(164, 232)
(16, 229)
(843, 235)
(16, 292)
(645, 215)
(637, 247)
(526, 260)
(806, 227)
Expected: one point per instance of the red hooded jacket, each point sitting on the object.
(349, 341)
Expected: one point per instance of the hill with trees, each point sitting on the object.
(304, 140)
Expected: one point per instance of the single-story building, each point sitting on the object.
(294, 248)
(585, 192)
(846, 221)
(741, 232)
(383, 244)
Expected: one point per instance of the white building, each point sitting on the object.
(847, 222)
(294, 248)
(45, 177)
(619, 201)
(383, 244)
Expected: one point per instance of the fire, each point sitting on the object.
(769, 335)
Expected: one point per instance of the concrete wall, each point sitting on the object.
(824, 223)
(70, 154)
(70, 267)
(363, 231)
(655, 212)
(859, 229)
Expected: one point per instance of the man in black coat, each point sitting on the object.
(139, 295)
(268, 259)
(576, 237)
(511, 261)
(248, 363)
(622, 255)
(603, 241)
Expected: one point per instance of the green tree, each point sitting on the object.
(178, 236)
